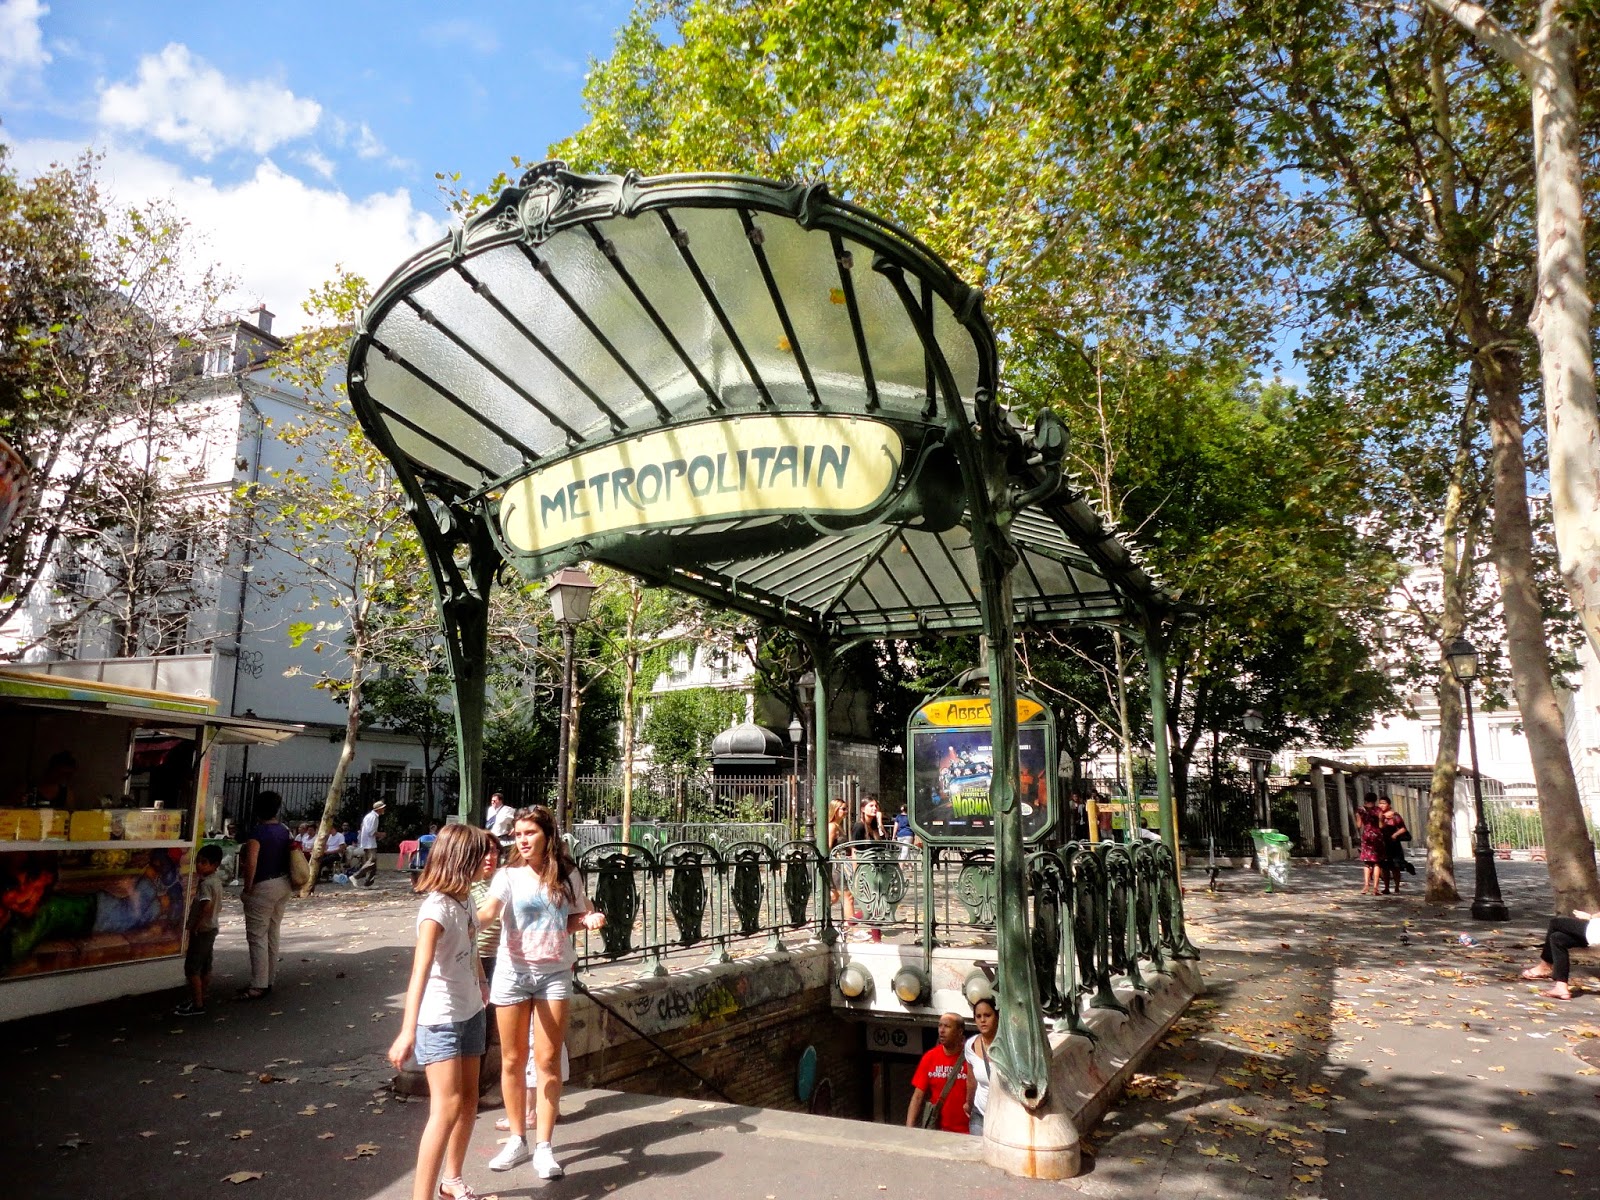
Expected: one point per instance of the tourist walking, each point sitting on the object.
(1373, 850)
(940, 1080)
(265, 891)
(367, 873)
(540, 901)
(987, 1018)
(1564, 935)
(1395, 837)
(443, 1024)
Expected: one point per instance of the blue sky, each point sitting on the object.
(295, 136)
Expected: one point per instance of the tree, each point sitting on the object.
(400, 703)
(1415, 143)
(333, 523)
(103, 317)
(1546, 58)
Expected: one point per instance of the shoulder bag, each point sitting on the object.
(930, 1115)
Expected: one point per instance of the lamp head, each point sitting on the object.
(570, 590)
(1252, 720)
(796, 731)
(855, 982)
(1463, 659)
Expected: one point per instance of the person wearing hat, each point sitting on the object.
(367, 873)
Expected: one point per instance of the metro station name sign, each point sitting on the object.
(714, 470)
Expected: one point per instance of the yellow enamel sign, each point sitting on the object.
(713, 470)
(973, 710)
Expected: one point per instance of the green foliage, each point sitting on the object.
(102, 316)
(681, 724)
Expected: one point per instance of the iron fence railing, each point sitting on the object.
(1095, 911)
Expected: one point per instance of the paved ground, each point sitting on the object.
(1347, 1046)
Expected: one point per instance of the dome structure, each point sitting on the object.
(747, 743)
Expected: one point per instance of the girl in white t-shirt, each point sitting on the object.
(540, 901)
(444, 1016)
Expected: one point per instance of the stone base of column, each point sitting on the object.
(1085, 1077)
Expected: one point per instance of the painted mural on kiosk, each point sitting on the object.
(61, 910)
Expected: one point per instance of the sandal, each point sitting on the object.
(465, 1192)
(1540, 972)
(1552, 994)
(254, 993)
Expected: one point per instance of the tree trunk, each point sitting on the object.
(1561, 317)
(347, 754)
(1441, 882)
(1568, 847)
(1458, 545)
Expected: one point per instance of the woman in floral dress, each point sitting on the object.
(1373, 850)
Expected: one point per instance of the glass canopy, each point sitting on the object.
(621, 369)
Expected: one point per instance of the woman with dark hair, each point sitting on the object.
(1373, 850)
(1395, 836)
(986, 1016)
(540, 902)
(264, 871)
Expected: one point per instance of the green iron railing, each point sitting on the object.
(1096, 912)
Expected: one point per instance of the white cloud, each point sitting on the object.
(21, 40)
(276, 234)
(474, 35)
(183, 100)
(318, 162)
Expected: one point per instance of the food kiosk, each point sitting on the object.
(101, 807)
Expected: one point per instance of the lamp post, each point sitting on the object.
(1258, 769)
(1486, 902)
(797, 734)
(570, 591)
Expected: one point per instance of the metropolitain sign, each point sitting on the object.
(734, 467)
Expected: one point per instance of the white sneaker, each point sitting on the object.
(513, 1153)
(544, 1162)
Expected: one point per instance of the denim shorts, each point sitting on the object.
(518, 987)
(454, 1039)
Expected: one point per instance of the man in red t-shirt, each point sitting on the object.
(933, 1072)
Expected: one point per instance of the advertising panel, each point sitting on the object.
(950, 760)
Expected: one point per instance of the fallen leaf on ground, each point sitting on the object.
(322, 1137)
(243, 1176)
(1312, 1160)
(241, 1135)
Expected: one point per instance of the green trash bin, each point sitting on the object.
(1272, 856)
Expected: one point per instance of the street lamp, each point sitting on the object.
(1258, 768)
(570, 592)
(1486, 902)
(797, 734)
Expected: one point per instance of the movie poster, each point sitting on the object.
(951, 767)
(65, 909)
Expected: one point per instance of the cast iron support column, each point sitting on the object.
(822, 658)
(1155, 656)
(462, 595)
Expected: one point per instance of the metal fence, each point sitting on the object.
(1095, 911)
(657, 798)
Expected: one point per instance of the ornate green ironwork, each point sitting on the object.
(615, 894)
(876, 880)
(483, 363)
(750, 867)
(686, 897)
(800, 881)
(975, 886)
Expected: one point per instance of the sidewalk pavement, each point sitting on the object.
(1347, 1046)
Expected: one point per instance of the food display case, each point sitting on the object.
(101, 787)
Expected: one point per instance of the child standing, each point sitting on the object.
(444, 1014)
(204, 911)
